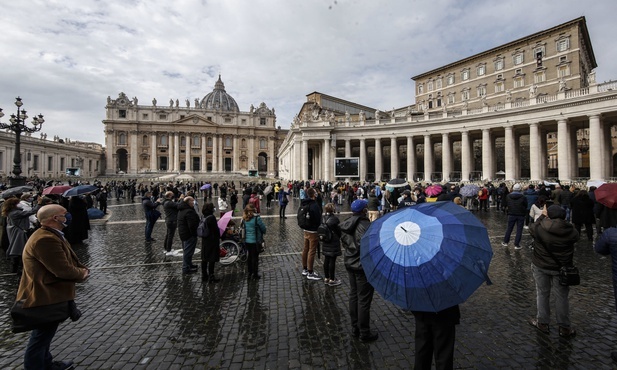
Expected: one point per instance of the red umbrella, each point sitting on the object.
(607, 195)
(58, 189)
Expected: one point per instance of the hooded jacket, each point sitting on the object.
(555, 235)
(188, 221)
(517, 204)
(352, 231)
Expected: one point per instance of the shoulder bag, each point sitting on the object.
(26, 319)
(568, 275)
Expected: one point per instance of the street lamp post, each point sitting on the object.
(18, 125)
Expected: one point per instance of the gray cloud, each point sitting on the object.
(65, 58)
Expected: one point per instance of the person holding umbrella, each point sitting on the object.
(361, 294)
(607, 245)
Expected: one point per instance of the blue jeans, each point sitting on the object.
(519, 221)
(567, 209)
(189, 249)
(37, 355)
(545, 280)
(149, 227)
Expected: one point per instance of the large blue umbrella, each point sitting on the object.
(426, 257)
(79, 190)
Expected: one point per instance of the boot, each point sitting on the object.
(204, 271)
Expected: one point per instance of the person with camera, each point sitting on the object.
(553, 247)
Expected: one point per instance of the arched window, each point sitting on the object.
(183, 141)
(195, 141)
(209, 142)
(227, 141)
(122, 138)
(262, 144)
(144, 140)
(163, 140)
(243, 144)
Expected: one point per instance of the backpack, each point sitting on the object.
(324, 232)
(304, 216)
(203, 231)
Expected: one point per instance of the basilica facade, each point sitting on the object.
(206, 136)
(529, 109)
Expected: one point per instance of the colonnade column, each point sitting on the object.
(393, 158)
(347, 148)
(304, 156)
(362, 159)
(509, 152)
(534, 152)
(204, 153)
(378, 160)
(411, 159)
(446, 156)
(487, 155)
(153, 161)
(187, 153)
(596, 149)
(465, 156)
(326, 159)
(563, 150)
(297, 163)
(215, 152)
(176, 152)
(428, 158)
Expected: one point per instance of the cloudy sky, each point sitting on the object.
(64, 57)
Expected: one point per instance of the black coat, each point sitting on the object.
(210, 251)
(332, 248)
(582, 210)
(78, 229)
(555, 235)
(353, 229)
(188, 221)
(517, 204)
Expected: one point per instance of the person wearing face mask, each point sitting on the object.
(51, 269)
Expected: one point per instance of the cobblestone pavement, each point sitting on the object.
(140, 312)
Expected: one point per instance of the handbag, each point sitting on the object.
(26, 319)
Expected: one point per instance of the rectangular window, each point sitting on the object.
(499, 87)
(563, 44)
(182, 116)
(465, 75)
(439, 83)
(420, 89)
(465, 95)
(499, 64)
(518, 59)
(563, 59)
(50, 163)
(519, 82)
(430, 86)
(563, 71)
(62, 166)
(162, 116)
(518, 71)
(243, 121)
(122, 113)
(451, 99)
(144, 116)
(450, 80)
(481, 91)
(90, 165)
(539, 77)
(35, 162)
(481, 70)
(227, 120)
(262, 121)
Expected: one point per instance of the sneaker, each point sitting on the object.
(305, 272)
(326, 281)
(518, 247)
(371, 337)
(313, 276)
(334, 282)
(542, 327)
(526, 227)
(170, 253)
(504, 244)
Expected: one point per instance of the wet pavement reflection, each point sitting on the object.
(141, 312)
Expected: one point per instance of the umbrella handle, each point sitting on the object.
(484, 272)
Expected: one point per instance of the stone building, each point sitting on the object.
(207, 135)
(519, 111)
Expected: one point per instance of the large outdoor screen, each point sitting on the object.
(347, 167)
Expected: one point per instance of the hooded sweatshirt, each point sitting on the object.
(555, 235)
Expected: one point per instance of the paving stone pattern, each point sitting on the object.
(140, 312)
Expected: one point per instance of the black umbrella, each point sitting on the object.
(16, 190)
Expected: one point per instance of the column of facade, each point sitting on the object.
(378, 160)
(487, 155)
(220, 154)
(236, 155)
(297, 164)
(363, 159)
(271, 157)
(596, 149)
(176, 152)
(347, 148)
(110, 141)
(466, 154)
(326, 159)
(543, 152)
(428, 158)
(563, 150)
(509, 152)
(446, 156)
(393, 158)
(253, 162)
(133, 166)
(187, 153)
(607, 154)
(204, 154)
(153, 160)
(215, 146)
(304, 157)
(534, 152)
(411, 159)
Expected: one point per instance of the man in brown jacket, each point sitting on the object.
(51, 270)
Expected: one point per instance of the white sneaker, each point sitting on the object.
(504, 244)
(313, 276)
(170, 253)
(334, 282)
(305, 272)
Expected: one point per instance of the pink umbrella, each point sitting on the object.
(222, 223)
(433, 190)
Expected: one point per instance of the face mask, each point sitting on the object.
(68, 218)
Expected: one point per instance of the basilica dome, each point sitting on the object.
(218, 99)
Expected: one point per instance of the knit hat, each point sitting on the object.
(556, 211)
(358, 205)
(516, 187)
